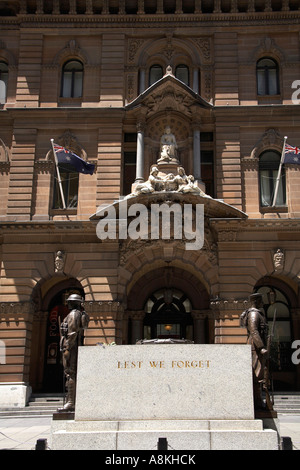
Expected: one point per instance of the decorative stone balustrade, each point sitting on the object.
(145, 7)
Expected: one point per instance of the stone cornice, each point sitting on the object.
(252, 110)
(193, 19)
(266, 225)
(62, 112)
(93, 115)
(49, 226)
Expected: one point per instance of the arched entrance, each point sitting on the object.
(46, 370)
(169, 302)
(280, 299)
(53, 369)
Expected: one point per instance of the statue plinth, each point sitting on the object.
(166, 168)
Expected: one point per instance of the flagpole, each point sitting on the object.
(58, 175)
(279, 172)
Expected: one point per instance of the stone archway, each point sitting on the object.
(280, 295)
(49, 297)
(178, 297)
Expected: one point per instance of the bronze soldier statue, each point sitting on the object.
(254, 320)
(71, 334)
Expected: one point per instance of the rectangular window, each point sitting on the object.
(129, 171)
(3, 82)
(207, 171)
(129, 161)
(69, 180)
(267, 188)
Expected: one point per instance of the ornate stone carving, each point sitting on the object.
(167, 175)
(179, 182)
(59, 262)
(133, 47)
(268, 46)
(69, 141)
(204, 46)
(278, 260)
(16, 308)
(270, 139)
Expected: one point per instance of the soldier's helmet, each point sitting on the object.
(76, 298)
(256, 296)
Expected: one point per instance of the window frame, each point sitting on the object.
(264, 71)
(4, 73)
(151, 68)
(272, 169)
(74, 79)
(188, 73)
(64, 170)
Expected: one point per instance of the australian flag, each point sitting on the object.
(66, 156)
(291, 154)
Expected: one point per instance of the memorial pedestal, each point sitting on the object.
(198, 397)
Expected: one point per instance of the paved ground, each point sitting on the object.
(22, 433)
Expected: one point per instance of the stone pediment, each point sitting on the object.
(169, 94)
(213, 208)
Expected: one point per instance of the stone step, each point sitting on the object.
(38, 405)
(287, 402)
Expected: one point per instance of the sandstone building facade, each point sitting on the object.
(104, 78)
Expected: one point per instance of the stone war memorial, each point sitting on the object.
(194, 396)
(198, 397)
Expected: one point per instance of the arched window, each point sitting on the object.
(72, 78)
(155, 74)
(268, 169)
(267, 77)
(3, 81)
(182, 73)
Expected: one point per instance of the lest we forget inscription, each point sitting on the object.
(189, 381)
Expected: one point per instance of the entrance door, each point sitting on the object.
(168, 315)
(53, 380)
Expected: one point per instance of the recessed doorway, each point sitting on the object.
(168, 315)
(53, 378)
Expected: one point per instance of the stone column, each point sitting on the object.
(141, 7)
(136, 326)
(142, 81)
(39, 7)
(198, 6)
(122, 10)
(178, 7)
(89, 7)
(105, 8)
(72, 10)
(140, 154)
(196, 80)
(199, 327)
(197, 152)
(160, 7)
